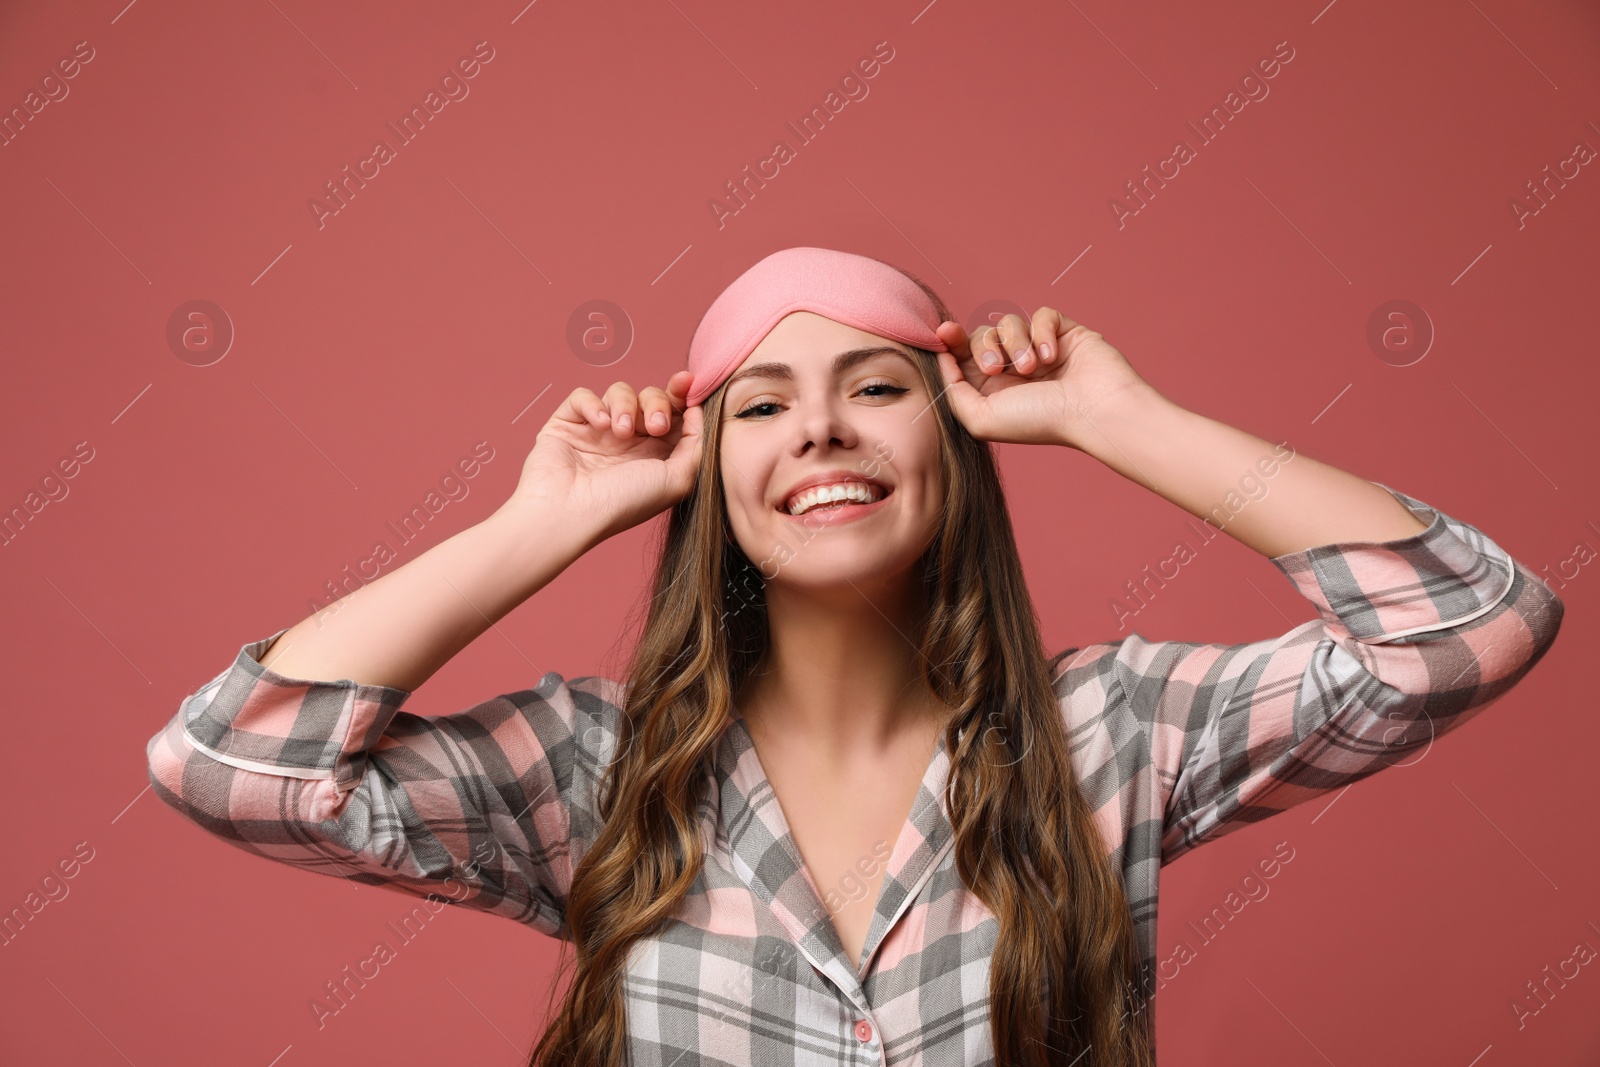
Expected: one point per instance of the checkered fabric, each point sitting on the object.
(1174, 743)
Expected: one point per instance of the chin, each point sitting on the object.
(817, 567)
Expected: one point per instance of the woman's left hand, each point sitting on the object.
(1046, 383)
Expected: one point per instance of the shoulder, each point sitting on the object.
(1109, 751)
(1085, 678)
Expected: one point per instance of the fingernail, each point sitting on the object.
(658, 420)
(1044, 351)
(990, 358)
(625, 421)
(1022, 357)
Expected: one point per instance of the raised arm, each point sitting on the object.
(1423, 620)
(299, 751)
(1414, 637)
(1268, 497)
(1053, 381)
(581, 483)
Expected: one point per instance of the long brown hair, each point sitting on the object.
(1065, 983)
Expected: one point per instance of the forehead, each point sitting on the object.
(804, 337)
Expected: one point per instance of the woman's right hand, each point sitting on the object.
(619, 459)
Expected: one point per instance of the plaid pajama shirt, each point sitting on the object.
(1174, 743)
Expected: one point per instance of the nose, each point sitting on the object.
(822, 423)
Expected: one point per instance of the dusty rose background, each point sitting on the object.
(553, 224)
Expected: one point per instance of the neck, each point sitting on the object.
(843, 670)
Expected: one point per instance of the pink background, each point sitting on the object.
(432, 312)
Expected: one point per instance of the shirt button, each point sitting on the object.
(863, 1031)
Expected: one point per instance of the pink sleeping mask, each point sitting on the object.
(855, 290)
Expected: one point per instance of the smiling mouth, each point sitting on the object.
(833, 498)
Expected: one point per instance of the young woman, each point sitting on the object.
(844, 809)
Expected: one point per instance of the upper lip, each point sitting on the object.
(828, 478)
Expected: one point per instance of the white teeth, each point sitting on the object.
(822, 495)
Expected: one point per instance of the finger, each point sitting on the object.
(1018, 342)
(678, 387)
(684, 460)
(954, 336)
(952, 371)
(987, 351)
(1048, 326)
(965, 401)
(623, 404)
(582, 405)
(694, 421)
(657, 409)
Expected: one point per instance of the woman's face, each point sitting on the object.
(822, 404)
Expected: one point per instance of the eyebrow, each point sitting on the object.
(844, 361)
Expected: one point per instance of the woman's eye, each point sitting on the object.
(887, 389)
